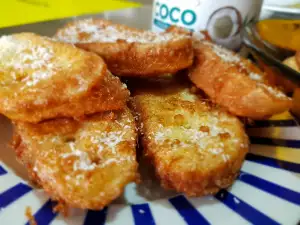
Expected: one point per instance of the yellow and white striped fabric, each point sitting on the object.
(276, 138)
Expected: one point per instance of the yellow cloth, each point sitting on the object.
(16, 12)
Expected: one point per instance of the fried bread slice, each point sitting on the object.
(111, 94)
(235, 83)
(195, 148)
(84, 164)
(42, 79)
(129, 51)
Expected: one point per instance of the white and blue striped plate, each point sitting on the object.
(266, 192)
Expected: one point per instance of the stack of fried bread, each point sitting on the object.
(73, 130)
(74, 120)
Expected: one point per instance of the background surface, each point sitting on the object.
(19, 12)
(143, 1)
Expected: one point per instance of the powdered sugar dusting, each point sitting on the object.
(26, 58)
(273, 91)
(83, 84)
(206, 134)
(228, 56)
(225, 157)
(191, 137)
(255, 76)
(101, 140)
(216, 151)
(198, 36)
(225, 55)
(86, 31)
(83, 163)
(108, 139)
(96, 144)
(186, 96)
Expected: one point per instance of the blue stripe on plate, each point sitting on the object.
(142, 214)
(12, 194)
(273, 123)
(269, 187)
(2, 171)
(187, 211)
(243, 209)
(275, 142)
(96, 217)
(44, 215)
(276, 163)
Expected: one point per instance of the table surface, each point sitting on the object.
(15, 12)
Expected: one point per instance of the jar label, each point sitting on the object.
(222, 20)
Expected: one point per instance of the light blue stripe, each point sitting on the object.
(187, 211)
(243, 209)
(95, 217)
(274, 189)
(45, 215)
(142, 214)
(13, 194)
(276, 163)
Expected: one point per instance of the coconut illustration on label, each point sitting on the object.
(224, 27)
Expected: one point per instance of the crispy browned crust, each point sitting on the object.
(111, 94)
(180, 164)
(81, 164)
(135, 59)
(179, 30)
(228, 82)
(74, 82)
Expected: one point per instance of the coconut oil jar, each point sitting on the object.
(221, 20)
